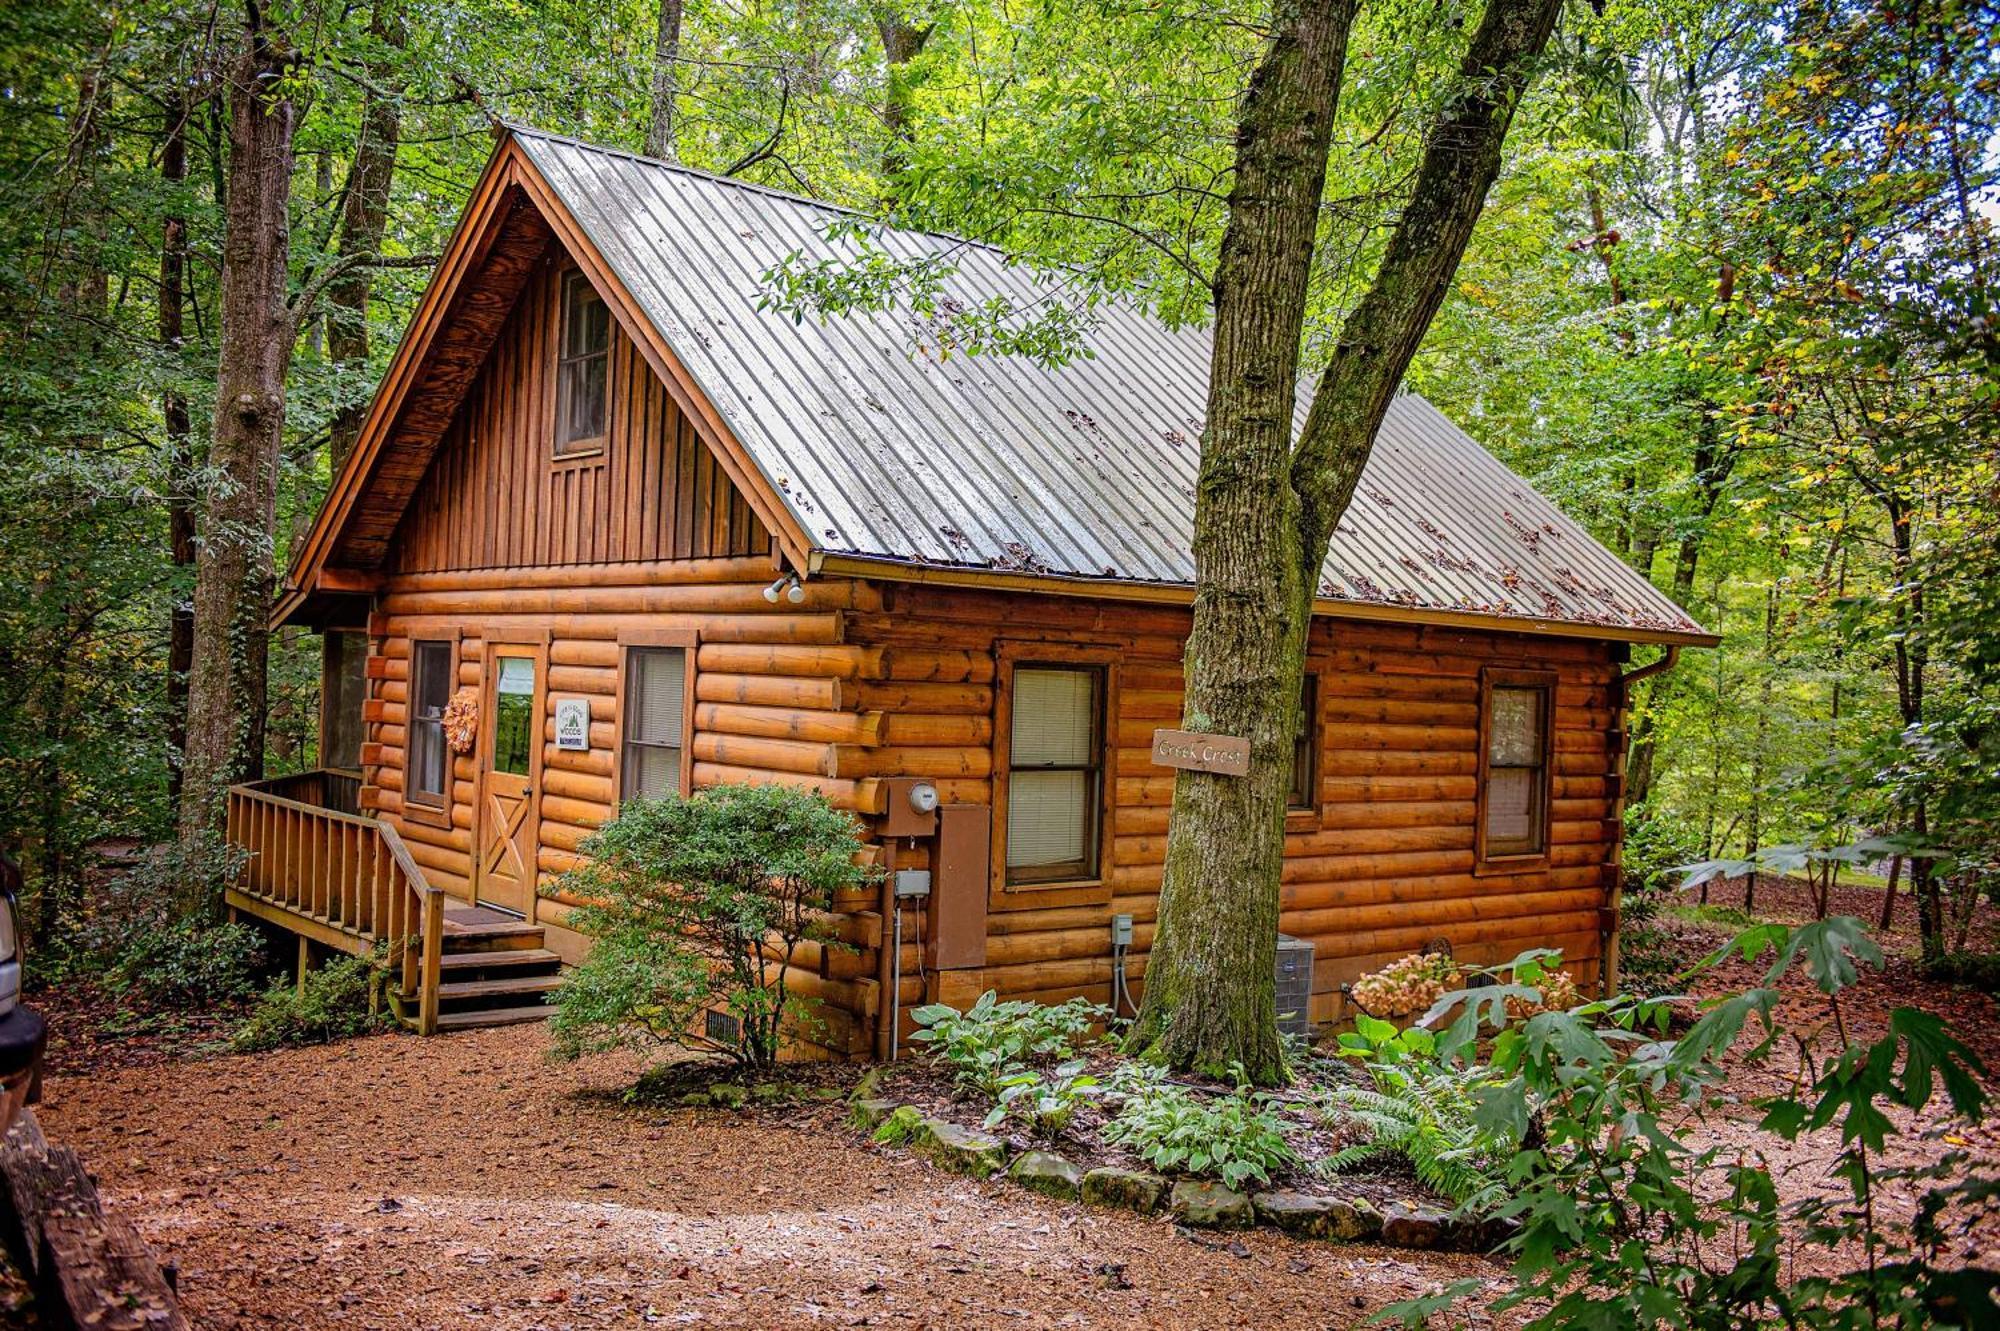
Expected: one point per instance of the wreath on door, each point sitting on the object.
(461, 720)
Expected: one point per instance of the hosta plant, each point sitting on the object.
(1234, 1137)
(991, 1041)
(1045, 1101)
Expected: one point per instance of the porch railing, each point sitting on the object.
(349, 881)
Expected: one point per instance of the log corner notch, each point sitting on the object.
(88, 1266)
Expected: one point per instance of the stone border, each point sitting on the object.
(1192, 1202)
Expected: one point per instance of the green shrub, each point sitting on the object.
(1656, 844)
(187, 966)
(991, 1042)
(699, 904)
(1234, 1136)
(332, 1005)
(1646, 1170)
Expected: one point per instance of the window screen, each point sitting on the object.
(1305, 749)
(430, 687)
(344, 689)
(655, 712)
(1516, 792)
(582, 366)
(1055, 776)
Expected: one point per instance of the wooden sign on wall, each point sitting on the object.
(1224, 755)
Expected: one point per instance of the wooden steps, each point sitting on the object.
(494, 969)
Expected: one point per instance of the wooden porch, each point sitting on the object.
(341, 879)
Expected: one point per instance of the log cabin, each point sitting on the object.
(614, 527)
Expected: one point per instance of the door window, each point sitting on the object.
(514, 715)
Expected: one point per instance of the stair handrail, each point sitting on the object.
(423, 973)
(415, 949)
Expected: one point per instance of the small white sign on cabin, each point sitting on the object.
(573, 723)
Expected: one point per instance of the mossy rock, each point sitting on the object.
(869, 1087)
(868, 1115)
(1211, 1206)
(728, 1095)
(696, 1100)
(1049, 1174)
(1308, 1216)
(773, 1092)
(1127, 1189)
(903, 1125)
(962, 1150)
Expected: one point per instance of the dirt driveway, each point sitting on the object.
(463, 1181)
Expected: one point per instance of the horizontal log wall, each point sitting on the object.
(496, 496)
(1382, 867)
(773, 703)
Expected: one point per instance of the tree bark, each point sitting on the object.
(1210, 998)
(666, 61)
(902, 42)
(227, 683)
(364, 219)
(174, 413)
(1265, 510)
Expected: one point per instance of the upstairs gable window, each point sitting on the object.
(583, 363)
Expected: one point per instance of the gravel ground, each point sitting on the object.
(464, 1181)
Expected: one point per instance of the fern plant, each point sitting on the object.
(1422, 1108)
(1427, 1118)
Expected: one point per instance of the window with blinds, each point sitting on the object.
(1055, 773)
(430, 689)
(583, 366)
(1514, 794)
(1305, 749)
(655, 717)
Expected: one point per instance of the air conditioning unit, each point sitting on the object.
(1295, 982)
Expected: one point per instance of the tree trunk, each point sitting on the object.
(1210, 997)
(233, 570)
(1714, 460)
(1264, 511)
(179, 424)
(666, 59)
(364, 217)
(902, 42)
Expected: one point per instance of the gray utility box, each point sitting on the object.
(1295, 983)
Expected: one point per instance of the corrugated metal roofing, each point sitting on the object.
(994, 462)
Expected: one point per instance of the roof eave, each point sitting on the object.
(1176, 593)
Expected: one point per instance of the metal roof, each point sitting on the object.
(993, 462)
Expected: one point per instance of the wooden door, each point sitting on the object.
(504, 869)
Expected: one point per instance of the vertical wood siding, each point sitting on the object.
(496, 496)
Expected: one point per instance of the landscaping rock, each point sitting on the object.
(1042, 1172)
(1128, 1189)
(962, 1150)
(1306, 1216)
(1211, 1206)
(1415, 1227)
(868, 1115)
(696, 1100)
(903, 1125)
(728, 1095)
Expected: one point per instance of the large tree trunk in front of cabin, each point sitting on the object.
(1210, 997)
(227, 683)
(1264, 514)
(666, 69)
(364, 218)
